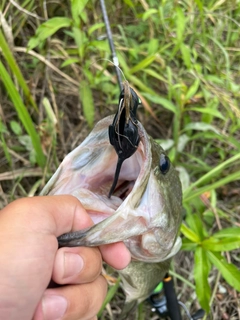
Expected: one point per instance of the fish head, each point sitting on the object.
(145, 208)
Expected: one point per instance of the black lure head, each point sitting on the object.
(123, 132)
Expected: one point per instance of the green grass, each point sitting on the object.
(182, 58)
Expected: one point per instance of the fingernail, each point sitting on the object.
(73, 264)
(54, 307)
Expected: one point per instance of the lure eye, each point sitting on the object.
(164, 163)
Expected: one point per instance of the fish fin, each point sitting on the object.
(128, 309)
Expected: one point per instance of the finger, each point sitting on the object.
(116, 255)
(77, 265)
(72, 302)
(53, 214)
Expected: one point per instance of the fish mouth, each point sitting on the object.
(88, 175)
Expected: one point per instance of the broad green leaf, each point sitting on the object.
(199, 4)
(189, 234)
(225, 244)
(200, 126)
(80, 39)
(162, 101)
(155, 74)
(16, 128)
(192, 90)
(186, 55)
(87, 102)
(213, 112)
(180, 24)
(95, 27)
(69, 61)
(77, 7)
(213, 78)
(23, 115)
(84, 16)
(229, 272)
(101, 45)
(47, 29)
(227, 232)
(143, 64)
(188, 245)
(195, 225)
(129, 3)
(149, 13)
(153, 46)
(201, 271)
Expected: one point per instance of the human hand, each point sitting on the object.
(30, 259)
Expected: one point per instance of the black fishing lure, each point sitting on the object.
(123, 132)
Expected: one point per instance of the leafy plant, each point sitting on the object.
(207, 253)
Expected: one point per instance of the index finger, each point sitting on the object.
(46, 214)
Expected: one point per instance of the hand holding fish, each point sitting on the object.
(30, 259)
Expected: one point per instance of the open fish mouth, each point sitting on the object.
(88, 171)
(143, 210)
(96, 178)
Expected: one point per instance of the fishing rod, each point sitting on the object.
(165, 303)
(111, 44)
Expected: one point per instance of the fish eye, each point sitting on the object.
(164, 163)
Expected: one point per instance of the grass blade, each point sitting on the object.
(229, 272)
(15, 70)
(23, 115)
(232, 177)
(201, 271)
(110, 295)
(226, 244)
(86, 98)
(211, 174)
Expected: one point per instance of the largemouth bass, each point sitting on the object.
(144, 211)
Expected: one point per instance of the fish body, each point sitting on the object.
(144, 211)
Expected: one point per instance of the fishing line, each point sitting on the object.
(112, 63)
(111, 44)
